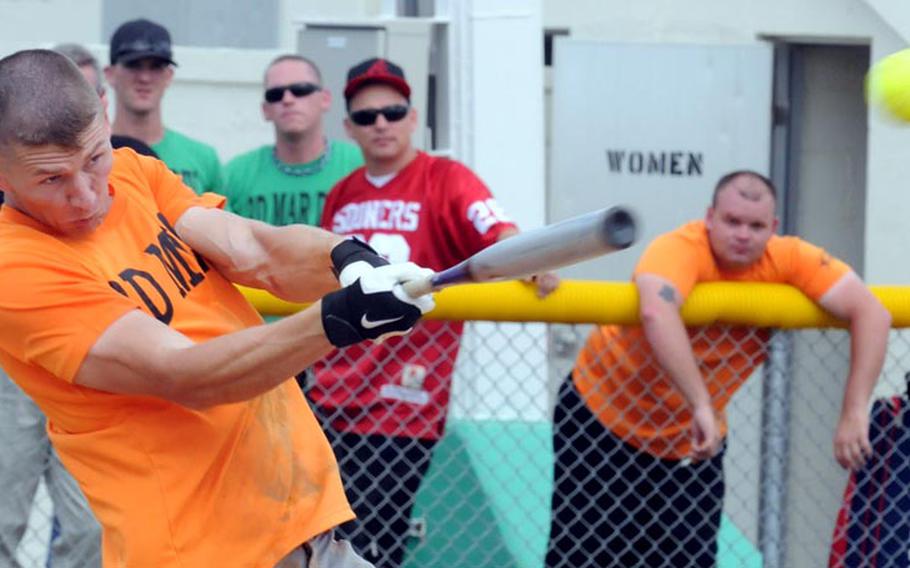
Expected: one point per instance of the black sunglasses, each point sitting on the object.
(299, 90)
(368, 116)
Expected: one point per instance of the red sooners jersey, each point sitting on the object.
(435, 212)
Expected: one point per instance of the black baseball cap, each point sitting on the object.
(376, 70)
(138, 39)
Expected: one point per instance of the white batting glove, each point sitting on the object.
(393, 276)
(378, 278)
(375, 306)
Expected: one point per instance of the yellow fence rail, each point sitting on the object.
(576, 301)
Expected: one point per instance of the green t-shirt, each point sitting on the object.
(258, 186)
(195, 161)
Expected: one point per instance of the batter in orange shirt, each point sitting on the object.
(643, 400)
(214, 472)
(167, 398)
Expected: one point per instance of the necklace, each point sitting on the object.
(307, 169)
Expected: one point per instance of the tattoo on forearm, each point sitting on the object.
(667, 293)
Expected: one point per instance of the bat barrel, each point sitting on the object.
(557, 245)
(540, 250)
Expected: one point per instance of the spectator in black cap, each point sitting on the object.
(141, 70)
(384, 405)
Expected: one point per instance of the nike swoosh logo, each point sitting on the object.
(370, 324)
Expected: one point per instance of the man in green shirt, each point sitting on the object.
(141, 70)
(286, 182)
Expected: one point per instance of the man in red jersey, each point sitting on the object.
(384, 405)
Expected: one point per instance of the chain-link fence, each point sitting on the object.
(34, 548)
(485, 498)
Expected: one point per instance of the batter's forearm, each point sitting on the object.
(292, 262)
(297, 265)
(244, 364)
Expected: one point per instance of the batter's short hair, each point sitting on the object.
(727, 179)
(44, 100)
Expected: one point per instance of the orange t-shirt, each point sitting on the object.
(233, 485)
(619, 377)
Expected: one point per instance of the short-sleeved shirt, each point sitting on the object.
(434, 212)
(618, 375)
(232, 485)
(259, 186)
(196, 162)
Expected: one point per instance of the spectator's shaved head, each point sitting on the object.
(294, 57)
(44, 100)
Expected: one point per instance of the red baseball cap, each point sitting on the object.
(373, 71)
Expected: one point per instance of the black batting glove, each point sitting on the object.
(350, 315)
(375, 306)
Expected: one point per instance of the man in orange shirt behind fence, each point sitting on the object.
(167, 398)
(643, 401)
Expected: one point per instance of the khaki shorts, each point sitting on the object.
(323, 551)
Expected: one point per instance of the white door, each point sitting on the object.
(653, 127)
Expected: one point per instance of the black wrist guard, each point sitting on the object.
(352, 250)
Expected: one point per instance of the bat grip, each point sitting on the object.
(457, 274)
(419, 287)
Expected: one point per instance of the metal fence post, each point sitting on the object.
(775, 448)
